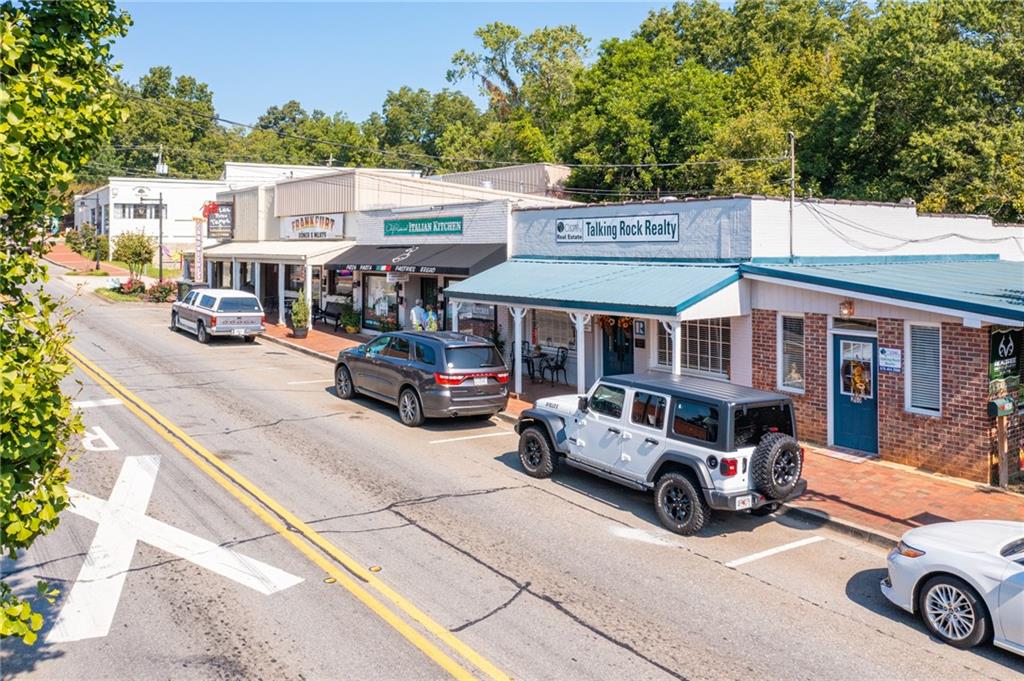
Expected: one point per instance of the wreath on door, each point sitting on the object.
(858, 382)
(608, 323)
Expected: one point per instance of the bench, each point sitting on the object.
(329, 314)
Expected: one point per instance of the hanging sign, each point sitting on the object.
(321, 226)
(1004, 362)
(629, 228)
(220, 223)
(890, 360)
(423, 226)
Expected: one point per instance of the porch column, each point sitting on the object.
(580, 319)
(280, 293)
(209, 274)
(456, 304)
(517, 350)
(236, 274)
(257, 281)
(675, 332)
(308, 288)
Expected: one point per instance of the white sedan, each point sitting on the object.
(965, 579)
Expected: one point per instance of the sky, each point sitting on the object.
(334, 56)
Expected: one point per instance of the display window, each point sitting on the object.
(380, 303)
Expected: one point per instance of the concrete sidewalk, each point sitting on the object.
(873, 500)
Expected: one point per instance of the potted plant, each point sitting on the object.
(350, 320)
(300, 317)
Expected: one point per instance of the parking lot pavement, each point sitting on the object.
(569, 577)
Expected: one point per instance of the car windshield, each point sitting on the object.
(239, 305)
(753, 422)
(473, 357)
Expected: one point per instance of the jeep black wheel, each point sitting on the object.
(680, 506)
(409, 409)
(535, 453)
(776, 465)
(343, 386)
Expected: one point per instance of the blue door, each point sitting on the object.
(855, 393)
(618, 348)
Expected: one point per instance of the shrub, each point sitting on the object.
(162, 292)
(136, 249)
(133, 287)
(73, 240)
(104, 247)
(85, 241)
(300, 312)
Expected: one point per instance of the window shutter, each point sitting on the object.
(793, 352)
(925, 383)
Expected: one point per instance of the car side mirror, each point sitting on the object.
(584, 403)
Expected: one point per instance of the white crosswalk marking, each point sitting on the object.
(92, 602)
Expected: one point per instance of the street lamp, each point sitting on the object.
(96, 235)
(160, 211)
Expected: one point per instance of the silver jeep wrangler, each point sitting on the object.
(699, 444)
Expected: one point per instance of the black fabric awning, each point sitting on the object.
(465, 259)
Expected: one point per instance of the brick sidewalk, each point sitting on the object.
(60, 254)
(884, 499)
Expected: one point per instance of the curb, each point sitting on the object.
(297, 348)
(847, 527)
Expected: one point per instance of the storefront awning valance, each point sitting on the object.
(459, 259)
(615, 287)
(286, 251)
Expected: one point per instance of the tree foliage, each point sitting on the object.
(58, 106)
(889, 99)
(136, 249)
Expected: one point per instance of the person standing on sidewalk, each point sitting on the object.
(431, 323)
(418, 316)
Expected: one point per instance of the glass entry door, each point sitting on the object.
(855, 393)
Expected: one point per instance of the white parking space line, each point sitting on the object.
(86, 404)
(771, 552)
(471, 437)
(319, 380)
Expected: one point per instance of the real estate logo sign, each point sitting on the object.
(626, 228)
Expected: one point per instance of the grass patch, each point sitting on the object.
(117, 296)
(90, 273)
(152, 270)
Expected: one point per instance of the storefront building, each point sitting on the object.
(884, 355)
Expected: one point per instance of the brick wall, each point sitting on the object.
(958, 443)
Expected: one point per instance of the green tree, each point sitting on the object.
(58, 104)
(136, 249)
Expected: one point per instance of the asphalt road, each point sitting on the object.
(477, 569)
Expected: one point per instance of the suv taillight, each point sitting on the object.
(263, 320)
(448, 379)
(501, 377)
(728, 467)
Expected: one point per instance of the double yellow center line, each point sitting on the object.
(308, 541)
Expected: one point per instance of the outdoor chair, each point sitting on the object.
(556, 365)
(527, 353)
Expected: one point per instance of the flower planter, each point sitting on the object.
(351, 329)
(300, 333)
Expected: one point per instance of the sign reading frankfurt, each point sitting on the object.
(423, 226)
(329, 226)
(628, 228)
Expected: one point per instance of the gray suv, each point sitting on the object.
(698, 444)
(427, 375)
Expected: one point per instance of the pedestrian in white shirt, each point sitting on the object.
(418, 316)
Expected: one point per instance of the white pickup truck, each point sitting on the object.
(208, 312)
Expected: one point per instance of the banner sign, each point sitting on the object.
(1004, 362)
(324, 226)
(198, 271)
(628, 228)
(220, 223)
(423, 226)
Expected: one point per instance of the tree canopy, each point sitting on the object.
(900, 98)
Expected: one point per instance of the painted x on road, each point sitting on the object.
(122, 521)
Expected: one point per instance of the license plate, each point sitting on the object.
(744, 502)
(480, 381)
(237, 332)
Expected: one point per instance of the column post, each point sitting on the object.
(236, 274)
(308, 288)
(455, 305)
(209, 274)
(675, 332)
(257, 281)
(580, 319)
(517, 350)
(280, 293)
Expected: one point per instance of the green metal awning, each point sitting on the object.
(982, 286)
(602, 286)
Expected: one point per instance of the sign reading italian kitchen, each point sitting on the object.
(423, 226)
(630, 228)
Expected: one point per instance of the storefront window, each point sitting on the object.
(380, 303)
(706, 346)
(476, 319)
(339, 283)
(552, 329)
(294, 277)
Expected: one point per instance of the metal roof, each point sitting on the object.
(982, 286)
(693, 386)
(636, 288)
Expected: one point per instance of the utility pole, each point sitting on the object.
(792, 187)
(160, 208)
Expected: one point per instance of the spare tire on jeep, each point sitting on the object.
(776, 465)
